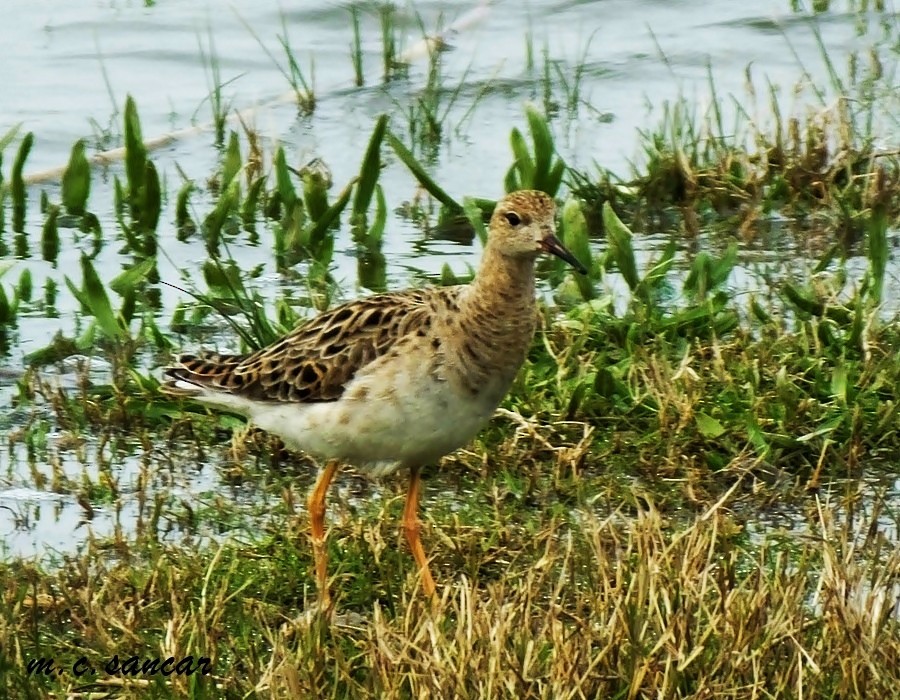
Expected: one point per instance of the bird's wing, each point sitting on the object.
(316, 360)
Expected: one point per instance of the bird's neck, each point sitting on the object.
(504, 281)
(497, 319)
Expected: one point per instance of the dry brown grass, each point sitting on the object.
(630, 606)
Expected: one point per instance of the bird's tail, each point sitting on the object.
(194, 375)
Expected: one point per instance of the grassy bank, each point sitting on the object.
(534, 603)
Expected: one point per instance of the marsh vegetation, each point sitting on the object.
(692, 489)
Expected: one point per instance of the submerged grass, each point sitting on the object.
(822, 168)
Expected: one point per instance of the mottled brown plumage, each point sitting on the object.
(316, 360)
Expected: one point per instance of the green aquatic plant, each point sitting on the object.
(421, 174)
(369, 172)
(95, 302)
(143, 194)
(565, 76)
(17, 184)
(76, 181)
(356, 54)
(573, 232)
(538, 169)
(387, 17)
(9, 304)
(50, 243)
(229, 210)
(219, 106)
(304, 226)
(184, 223)
(302, 83)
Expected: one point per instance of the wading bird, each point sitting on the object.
(392, 381)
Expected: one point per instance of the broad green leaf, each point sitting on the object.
(575, 238)
(251, 202)
(17, 183)
(283, 183)
(93, 295)
(135, 157)
(370, 170)
(620, 247)
(708, 426)
(554, 178)
(448, 277)
(231, 165)
(524, 165)
(543, 140)
(318, 230)
(315, 194)
(76, 181)
(50, 236)
(376, 231)
(803, 300)
(151, 207)
(134, 275)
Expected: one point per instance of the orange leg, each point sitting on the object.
(316, 506)
(411, 528)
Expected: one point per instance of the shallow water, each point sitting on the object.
(67, 68)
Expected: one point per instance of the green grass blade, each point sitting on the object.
(50, 236)
(878, 250)
(135, 156)
(17, 183)
(94, 299)
(319, 228)
(376, 231)
(356, 54)
(9, 136)
(232, 163)
(133, 276)
(283, 184)
(542, 138)
(620, 247)
(369, 171)
(419, 172)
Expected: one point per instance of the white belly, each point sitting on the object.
(412, 421)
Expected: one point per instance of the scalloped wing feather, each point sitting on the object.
(315, 361)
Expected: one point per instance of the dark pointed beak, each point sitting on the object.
(554, 246)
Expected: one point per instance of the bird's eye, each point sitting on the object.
(513, 218)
